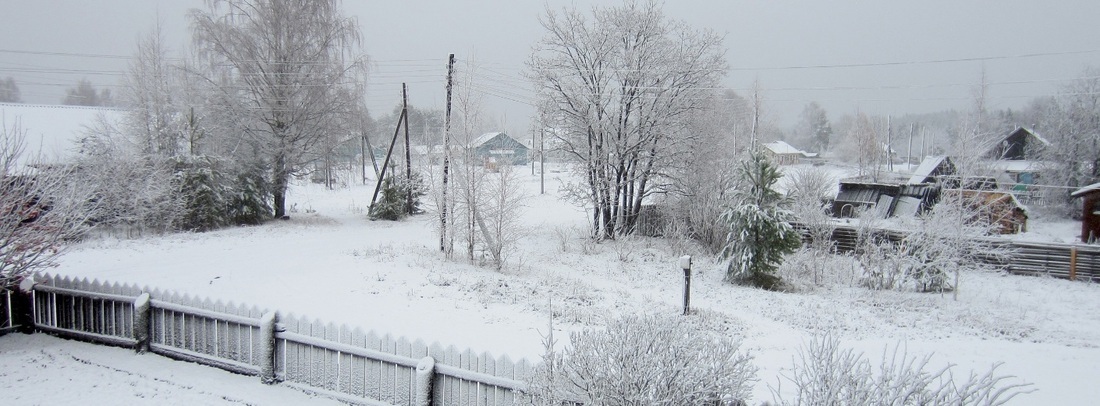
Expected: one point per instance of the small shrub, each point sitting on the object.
(826, 374)
(645, 360)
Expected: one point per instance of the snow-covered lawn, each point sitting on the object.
(329, 262)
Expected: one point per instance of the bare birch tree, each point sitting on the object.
(291, 72)
(621, 84)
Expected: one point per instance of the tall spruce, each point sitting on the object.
(759, 229)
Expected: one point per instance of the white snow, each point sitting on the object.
(329, 262)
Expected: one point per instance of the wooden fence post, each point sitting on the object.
(267, 348)
(142, 311)
(1073, 264)
(22, 303)
(685, 264)
(425, 371)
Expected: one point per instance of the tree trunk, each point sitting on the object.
(279, 181)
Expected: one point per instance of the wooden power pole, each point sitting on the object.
(446, 157)
(408, 153)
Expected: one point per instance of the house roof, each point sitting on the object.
(1086, 190)
(483, 138)
(1028, 134)
(782, 148)
(927, 166)
(52, 130)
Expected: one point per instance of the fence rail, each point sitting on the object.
(1060, 260)
(337, 361)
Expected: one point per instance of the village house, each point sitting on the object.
(499, 148)
(783, 153)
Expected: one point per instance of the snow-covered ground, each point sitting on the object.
(43, 370)
(329, 262)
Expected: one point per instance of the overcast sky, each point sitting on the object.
(883, 57)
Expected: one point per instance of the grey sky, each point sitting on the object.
(884, 57)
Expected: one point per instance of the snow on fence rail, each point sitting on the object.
(337, 361)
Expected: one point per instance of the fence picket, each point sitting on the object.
(389, 371)
(373, 367)
(358, 376)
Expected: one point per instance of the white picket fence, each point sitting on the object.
(337, 361)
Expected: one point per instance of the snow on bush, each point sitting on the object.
(826, 374)
(645, 360)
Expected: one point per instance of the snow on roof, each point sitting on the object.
(1082, 191)
(51, 130)
(925, 169)
(780, 147)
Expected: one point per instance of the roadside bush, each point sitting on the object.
(826, 374)
(645, 360)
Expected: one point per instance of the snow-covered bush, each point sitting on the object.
(940, 244)
(826, 374)
(135, 193)
(644, 360)
(202, 187)
(759, 229)
(250, 200)
(807, 269)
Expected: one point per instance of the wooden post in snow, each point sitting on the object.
(267, 348)
(425, 371)
(142, 313)
(1073, 264)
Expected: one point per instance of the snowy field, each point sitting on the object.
(329, 262)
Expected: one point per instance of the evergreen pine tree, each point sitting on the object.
(759, 231)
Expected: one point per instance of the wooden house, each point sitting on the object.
(1090, 213)
(782, 153)
(1016, 157)
(499, 149)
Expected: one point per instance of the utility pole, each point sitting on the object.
(542, 161)
(446, 157)
(408, 153)
(889, 144)
(386, 163)
(755, 113)
(909, 151)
